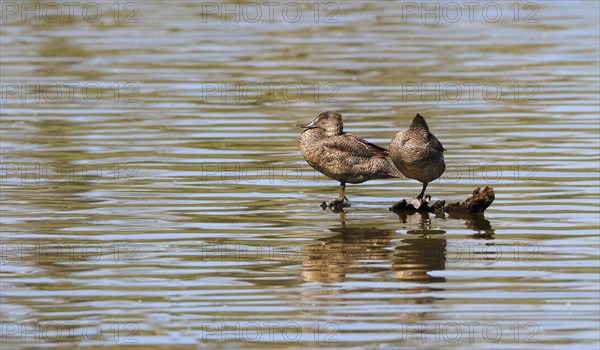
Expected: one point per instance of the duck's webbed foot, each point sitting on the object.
(336, 205)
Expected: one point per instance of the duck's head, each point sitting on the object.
(419, 123)
(330, 122)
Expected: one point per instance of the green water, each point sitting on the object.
(153, 194)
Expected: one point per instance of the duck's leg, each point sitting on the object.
(419, 203)
(420, 196)
(339, 203)
(343, 193)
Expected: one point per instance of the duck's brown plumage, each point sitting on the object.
(340, 155)
(417, 153)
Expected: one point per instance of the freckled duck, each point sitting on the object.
(342, 156)
(418, 154)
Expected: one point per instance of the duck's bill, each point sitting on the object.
(307, 126)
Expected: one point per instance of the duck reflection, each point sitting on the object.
(331, 259)
(356, 250)
(369, 250)
(417, 256)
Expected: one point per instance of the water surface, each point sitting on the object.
(176, 209)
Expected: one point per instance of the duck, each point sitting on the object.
(342, 156)
(418, 154)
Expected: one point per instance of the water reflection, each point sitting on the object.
(333, 258)
(417, 256)
(195, 190)
(360, 250)
(478, 223)
(419, 218)
(474, 221)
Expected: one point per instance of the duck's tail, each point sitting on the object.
(392, 171)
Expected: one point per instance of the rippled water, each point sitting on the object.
(176, 209)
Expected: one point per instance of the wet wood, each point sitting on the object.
(479, 201)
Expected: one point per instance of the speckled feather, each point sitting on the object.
(417, 153)
(344, 156)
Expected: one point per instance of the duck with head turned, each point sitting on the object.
(418, 154)
(342, 156)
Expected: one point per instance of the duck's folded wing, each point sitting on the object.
(355, 146)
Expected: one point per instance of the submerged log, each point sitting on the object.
(477, 203)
